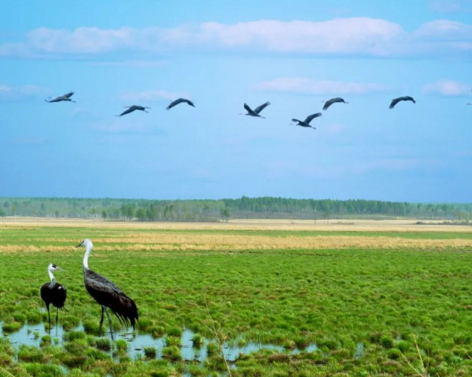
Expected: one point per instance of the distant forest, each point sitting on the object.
(223, 209)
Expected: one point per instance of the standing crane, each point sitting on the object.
(133, 108)
(256, 111)
(331, 101)
(53, 293)
(65, 97)
(399, 99)
(180, 100)
(306, 122)
(107, 294)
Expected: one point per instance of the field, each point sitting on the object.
(344, 298)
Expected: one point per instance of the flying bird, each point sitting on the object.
(133, 108)
(107, 294)
(53, 293)
(256, 111)
(331, 101)
(396, 100)
(306, 122)
(65, 97)
(180, 100)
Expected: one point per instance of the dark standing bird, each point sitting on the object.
(180, 100)
(65, 97)
(331, 101)
(306, 122)
(396, 100)
(107, 294)
(256, 111)
(53, 293)
(133, 108)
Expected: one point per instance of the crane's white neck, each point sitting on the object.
(51, 276)
(88, 250)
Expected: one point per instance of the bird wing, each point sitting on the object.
(249, 110)
(258, 109)
(174, 103)
(404, 98)
(328, 104)
(54, 294)
(108, 294)
(309, 118)
(130, 110)
(99, 279)
(45, 293)
(180, 100)
(394, 102)
(60, 295)
(68, 95)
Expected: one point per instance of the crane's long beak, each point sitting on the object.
(60, 268)
(79, 245)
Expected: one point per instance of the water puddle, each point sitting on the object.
(31, 335)
(360, 349)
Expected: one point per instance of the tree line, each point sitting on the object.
(223, 209)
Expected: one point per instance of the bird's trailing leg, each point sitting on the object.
(101, 323)
(49, 317)
(109, 323)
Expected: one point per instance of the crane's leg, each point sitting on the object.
(57, 316)
(109, 323)
(101, 323)
(49, 316)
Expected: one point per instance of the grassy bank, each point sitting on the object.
(386, 303)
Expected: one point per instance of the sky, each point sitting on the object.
(222, 54)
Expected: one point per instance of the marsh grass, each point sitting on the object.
(393, 293)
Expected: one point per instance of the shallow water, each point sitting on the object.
(31, 335)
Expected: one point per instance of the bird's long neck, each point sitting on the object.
(88, 250)
(51, 276)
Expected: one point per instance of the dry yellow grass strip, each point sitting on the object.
(402, 225)
(220, 242)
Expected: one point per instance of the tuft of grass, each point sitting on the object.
(150, 352)
(104, 344)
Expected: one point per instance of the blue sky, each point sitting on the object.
(221, 54)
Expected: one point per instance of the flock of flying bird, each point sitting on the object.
(250, 112)
(103, 291)
(106, 293)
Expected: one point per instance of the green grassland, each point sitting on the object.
(410, 309)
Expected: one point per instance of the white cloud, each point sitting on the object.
(86, 40)
(447, 88)
(360, 36)
(450, 6)
(130, 63)
(307, 86)
(21, 92)
(152, 95)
